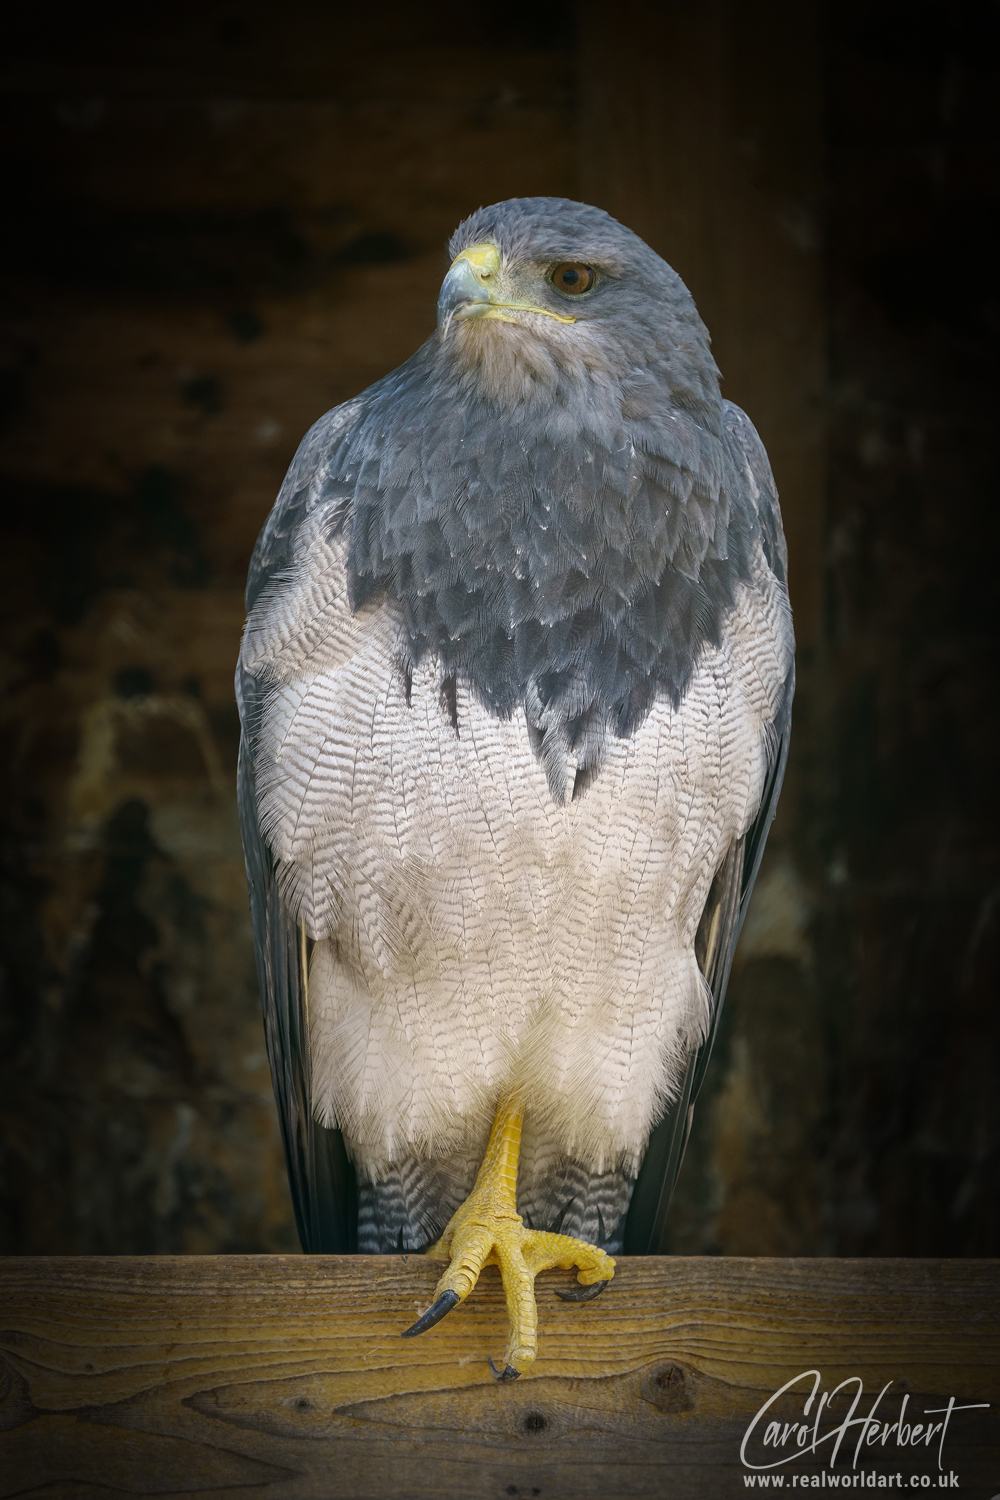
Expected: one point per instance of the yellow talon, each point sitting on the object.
(488, 1231)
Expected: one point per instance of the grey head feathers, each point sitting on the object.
(560, 512)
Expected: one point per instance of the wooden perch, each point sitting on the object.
(284, 1376)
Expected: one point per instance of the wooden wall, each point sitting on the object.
(225, 220)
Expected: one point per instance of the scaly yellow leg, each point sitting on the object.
(488, 1231)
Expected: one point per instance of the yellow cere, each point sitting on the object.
(484, 260)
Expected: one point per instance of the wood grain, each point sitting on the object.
(285, 1376)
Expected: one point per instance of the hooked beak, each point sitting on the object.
(465, 291)
(470, 291)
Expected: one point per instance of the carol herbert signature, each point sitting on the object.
(831, 1417)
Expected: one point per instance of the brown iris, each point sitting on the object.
(571, 277)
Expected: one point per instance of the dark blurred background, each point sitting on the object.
(223, 218)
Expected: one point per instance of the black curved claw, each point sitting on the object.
(434, 1314)
(585, 1293)
(507, 1373)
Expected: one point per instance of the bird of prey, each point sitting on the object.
(515, 690)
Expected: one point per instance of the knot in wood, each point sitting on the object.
(668, 1388)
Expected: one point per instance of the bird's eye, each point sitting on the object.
(570, 277)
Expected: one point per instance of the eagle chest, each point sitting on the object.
(418, 828)
(468, 926)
